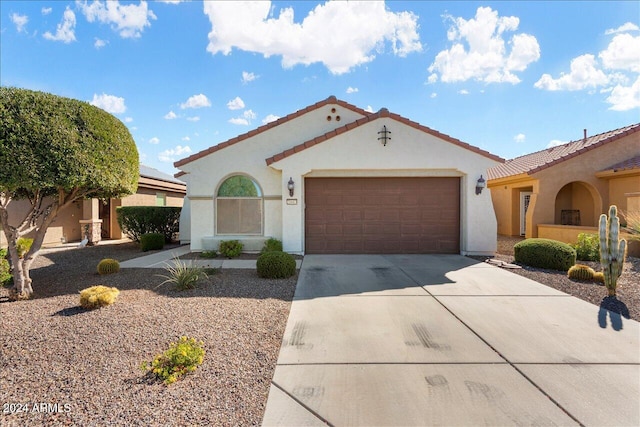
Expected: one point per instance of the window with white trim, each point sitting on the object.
(239, 205)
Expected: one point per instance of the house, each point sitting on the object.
(560, 192)
(334, 178)
(155, 188)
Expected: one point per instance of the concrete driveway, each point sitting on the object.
(446, 340)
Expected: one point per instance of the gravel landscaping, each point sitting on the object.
(54, 352)
(88, 362)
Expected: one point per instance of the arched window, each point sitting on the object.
(239, 206)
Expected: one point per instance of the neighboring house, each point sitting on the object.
(334, 178)
(155, 188)
(560, 192)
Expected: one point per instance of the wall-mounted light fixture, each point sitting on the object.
(290, 186)
(480, 185)
(384, 135)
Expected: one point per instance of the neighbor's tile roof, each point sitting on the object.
(330, 100)
(370, 117)
(632, 163)
(543, 159)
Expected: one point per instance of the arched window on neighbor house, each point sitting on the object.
(239, 206)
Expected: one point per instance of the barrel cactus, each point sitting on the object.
(612, 249)
(108, 266)
(581, 272)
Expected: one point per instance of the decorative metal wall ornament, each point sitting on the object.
(384, 135)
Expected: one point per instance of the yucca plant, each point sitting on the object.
(183, 275)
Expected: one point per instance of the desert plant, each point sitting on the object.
(545, 253)
(208, 254)
(182, 275)
(231, 248)
(271, 245)
(108, 266)
(581, 272)
(151, 242)
(587, 247)
(612, 249)
(598, 277)
(98, 296)
(632, 221)
(5, 269)
(23, 245)
(138, 220)
(182, 357)
(276, 265)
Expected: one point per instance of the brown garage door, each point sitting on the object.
(382, 215)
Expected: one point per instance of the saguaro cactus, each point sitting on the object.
(612, 249)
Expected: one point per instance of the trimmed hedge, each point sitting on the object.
(151, 242)
(545, 253)
(276, 265)
(138, 220)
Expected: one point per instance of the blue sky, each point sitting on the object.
(509, 77)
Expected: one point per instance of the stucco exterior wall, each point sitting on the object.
(506, 204)
(621, 188)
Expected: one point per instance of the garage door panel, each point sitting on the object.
(382, 215)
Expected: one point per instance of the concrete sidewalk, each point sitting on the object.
(163, 258)
(446, 340)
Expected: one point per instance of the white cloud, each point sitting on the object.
(270, 118)
(46, 10)
(170, 116)
(109, 103)
(433, 95)
(65, 31)
(20, 21)
(248, 77)
(249, 115)
(623, 53)
(235, 104)
(625, 98)
(128, 20)
(185, 138)
(555, 143)
(154, 140)
(194, 119)
(519, 137)
(352, 89)
(100, 43)
(484, 57)
(171, 1)
(584, 74)
(628, 26)
(340, 35)
(369, 109)
(171, 154)
(128, 119)
(463, 92)
(196, 101)
(239, 121)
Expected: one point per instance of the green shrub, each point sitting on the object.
(231, 248)
(182, 274)
(181, 358)
(151, 242)
(5, 269)
(276, 265)
(272, 245)
(23, 245)
(98, 296)
(208, 254)
(581, 272)
(545, 253)
(108, 266)
(138, 220)
(588, 247)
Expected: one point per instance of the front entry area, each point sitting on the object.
(382, 215)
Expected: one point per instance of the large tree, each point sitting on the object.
(54, 151)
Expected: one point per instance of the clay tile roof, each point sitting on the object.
(632, 163)
(535, 162)
(373, 116)
(330, 100)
